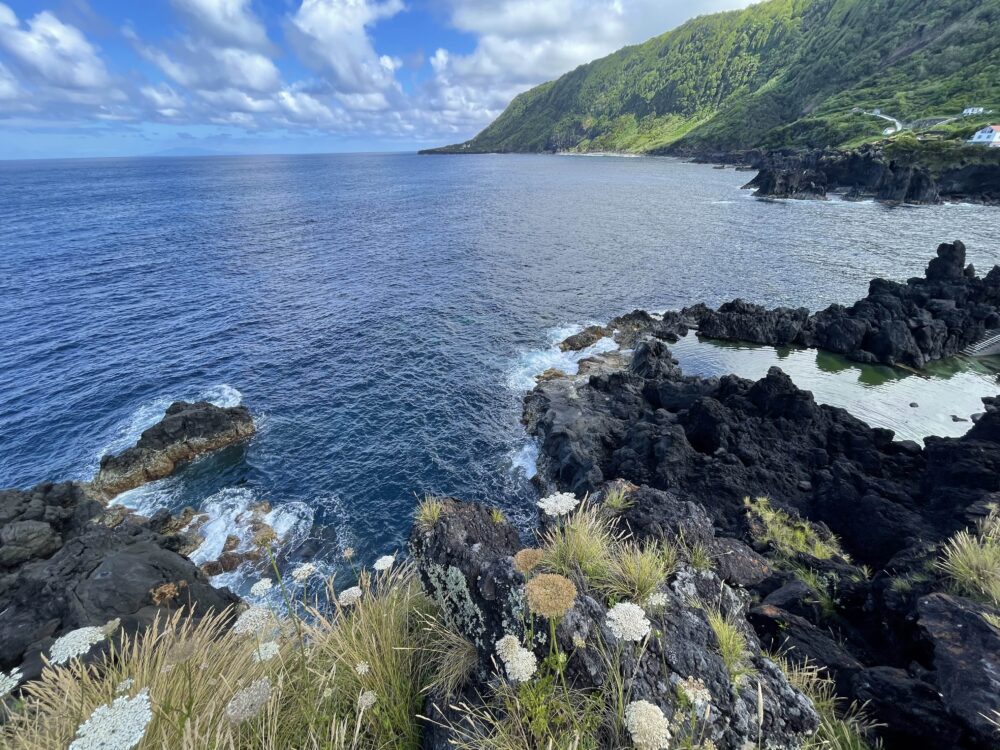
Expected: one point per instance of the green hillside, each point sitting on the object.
(783, 72)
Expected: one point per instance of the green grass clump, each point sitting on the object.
(428, 513)
(616, 500)
(635, 571)
(497, 516)
(820, 585)
(732, 645)
(581, 547)
(971, 560)
(789, 536)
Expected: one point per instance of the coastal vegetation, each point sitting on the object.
(802, 73)
(321, 665)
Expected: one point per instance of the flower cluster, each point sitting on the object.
(657, 601)
(9, 681)
(266, 651)
(628, 622)
(695, 691)
(366, 700)
(550, 595)
(304, 572)
(384, 563)
(519, 662)
(249, 701)
(253, 621)
(350, 596)
(647, 725)
(261, 587)
(362, 668)
(558, 504)
(76, 643)
(121, 726)
(527, 559)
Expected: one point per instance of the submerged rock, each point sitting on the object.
(186, 431)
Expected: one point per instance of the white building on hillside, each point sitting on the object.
(988, 136)
(970, 111)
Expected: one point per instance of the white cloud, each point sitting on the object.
(227, 22)
(332, 37)
(54, 54)
(10, 89)
(197, 64)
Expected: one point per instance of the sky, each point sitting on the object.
(84, 78)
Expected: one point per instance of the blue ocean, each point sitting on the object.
(383, 315)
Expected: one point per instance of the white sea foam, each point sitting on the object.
(525, 459)
(231, 513)
(533, 363)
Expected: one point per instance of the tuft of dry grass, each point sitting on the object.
(634, 571)
(843, 726)
(428, 513)
(193, 669)
(580, 547)
(971, 560)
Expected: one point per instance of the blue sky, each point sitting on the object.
(137, 77)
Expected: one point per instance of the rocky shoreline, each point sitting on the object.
(839, 567)
(69, 560)
(879, 615)
(914, 174)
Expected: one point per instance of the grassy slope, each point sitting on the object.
(784, 72)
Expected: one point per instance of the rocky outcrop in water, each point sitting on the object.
(185, 432)
(67, 562)
(920, 174)
(909, 323)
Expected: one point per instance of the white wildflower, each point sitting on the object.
(628, 622)
(521, 665)
(9, 681)
(327, 693)
(249, 701)
(558, 504)
(304, 572)
(695, 691)
(657, 601)
(253, 621)
(75, 643)
(349, 596)
(125, 685)
(366, 700)
(384, 563)
(648, 726)
(266, 651)
(262, 586)
(507, 647)
(519, 662)
(120, 726)
(362, 668)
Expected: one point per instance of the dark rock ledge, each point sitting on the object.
(910, 323)
(185, 432)
(884, 622)
(68, 561)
